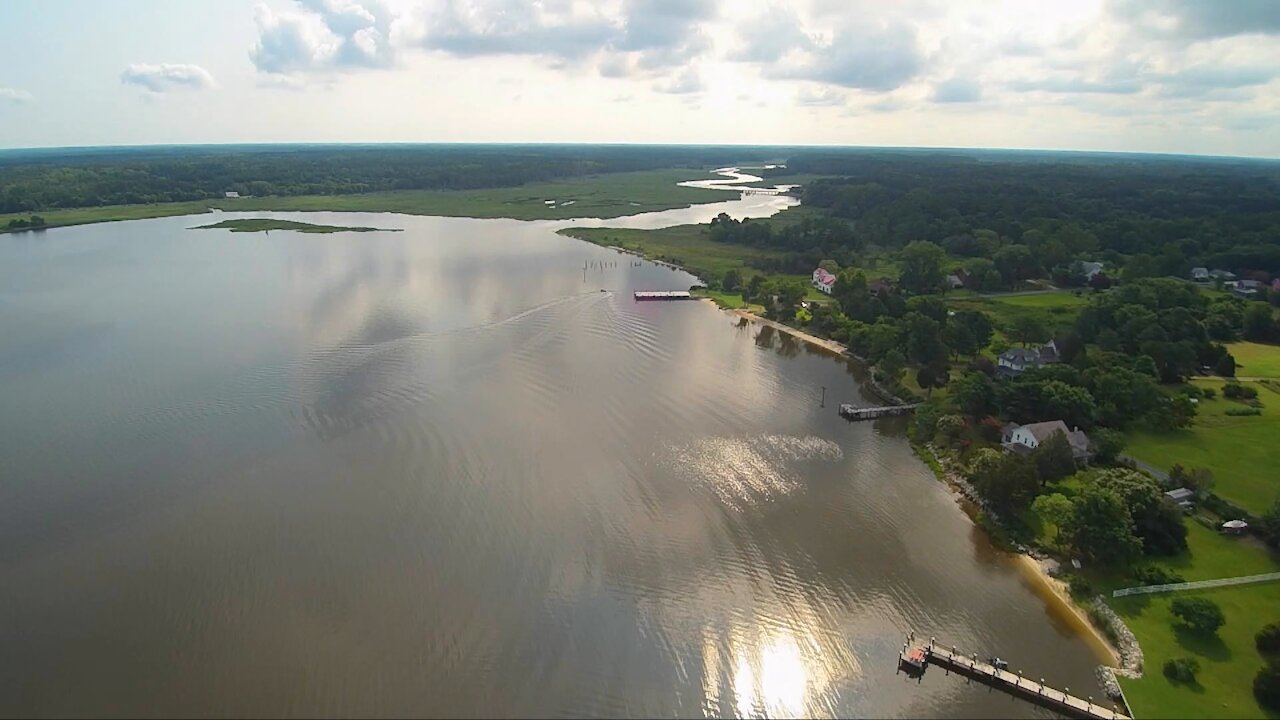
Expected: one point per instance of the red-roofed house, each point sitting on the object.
(823, 280)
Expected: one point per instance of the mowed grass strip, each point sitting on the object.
(1229, 660)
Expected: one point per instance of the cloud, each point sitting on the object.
(767, 37)
(1076, 84)
(512, 27)
(14, 95)
(1202, 80)
(687, 82)
(957, 90)
(820, 97)
(1201, 19)
(324, 35)
(863, 57)
(167, 76)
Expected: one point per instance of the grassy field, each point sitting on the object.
(1243, 452)
(1227, 662)
(1053, 309)
(1256, 359)
(688, 246)
(267, 225)
(603, 196)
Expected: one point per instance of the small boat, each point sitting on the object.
(914, 661)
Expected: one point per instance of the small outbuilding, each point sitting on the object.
(1235, 527)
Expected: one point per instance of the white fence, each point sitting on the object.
(1197, 585)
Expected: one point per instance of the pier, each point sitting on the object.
(998, 678)
(850, 412)
(662, 295)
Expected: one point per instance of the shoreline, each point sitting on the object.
(1048, 588)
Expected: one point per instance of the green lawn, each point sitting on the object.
(1053, 310)
(268, 224)
(1256, 359)
(1227, 662)
(1242, 452)
(604, 196)
(689, 246)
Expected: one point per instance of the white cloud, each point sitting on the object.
(165, 77)
(14, 95)
(325, 35)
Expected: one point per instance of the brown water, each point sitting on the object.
(438, 472)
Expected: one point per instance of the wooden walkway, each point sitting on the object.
(1016, 685)
(850, 412)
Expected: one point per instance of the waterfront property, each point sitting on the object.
(1022, 439)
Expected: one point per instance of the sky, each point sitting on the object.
(1176, 76)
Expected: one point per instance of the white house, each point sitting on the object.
(823, 280)
(231, 194)
(1025, 438)
(1090, 269)
(1200, 274)
(1015, 361)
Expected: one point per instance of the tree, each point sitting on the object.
(1199, 479)
(1269, 524)
(1200, 614)
(921, 263)
(924, 339)
(1106, 444)
(983, 275)
(1009, 483)
(1055, 509)
(1100, 528)
(1268, 639)
(1266, 686)
(960, 339)
(978, 324)
(1181, 670)
(1015, 264)
(732, 280)
(974, 394)
(830, 266)
(37, 221)
(1027, 330)
(931, 376)
(1258, 325)
(1226, 365)
(1156, 520)
(892, 365)
(1053, 458)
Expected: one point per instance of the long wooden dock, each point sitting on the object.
(1014, 684)
(850, 412)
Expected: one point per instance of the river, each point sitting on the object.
(440, 472)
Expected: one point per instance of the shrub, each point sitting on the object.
(1156, 575)
(1236, 391)
(1268, 639)
(1079, 587)
(1181, 670)
(1266, 686)
(1209, 393)
(1200, 614)
(1243, 411)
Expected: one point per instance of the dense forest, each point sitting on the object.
(1150, 215)
(35, 180)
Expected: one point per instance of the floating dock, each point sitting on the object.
(1000, 679)
(850, 412)
(663, 295)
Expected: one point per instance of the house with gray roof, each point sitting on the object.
(1022, 439)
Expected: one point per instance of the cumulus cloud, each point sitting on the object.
(14, 95)
(1201, 19)
(957, 90)
(165, 77)
(687, 82)
(1077, 84)
(862, 56)
(324, 35)
(769, 36)
(820, 97)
